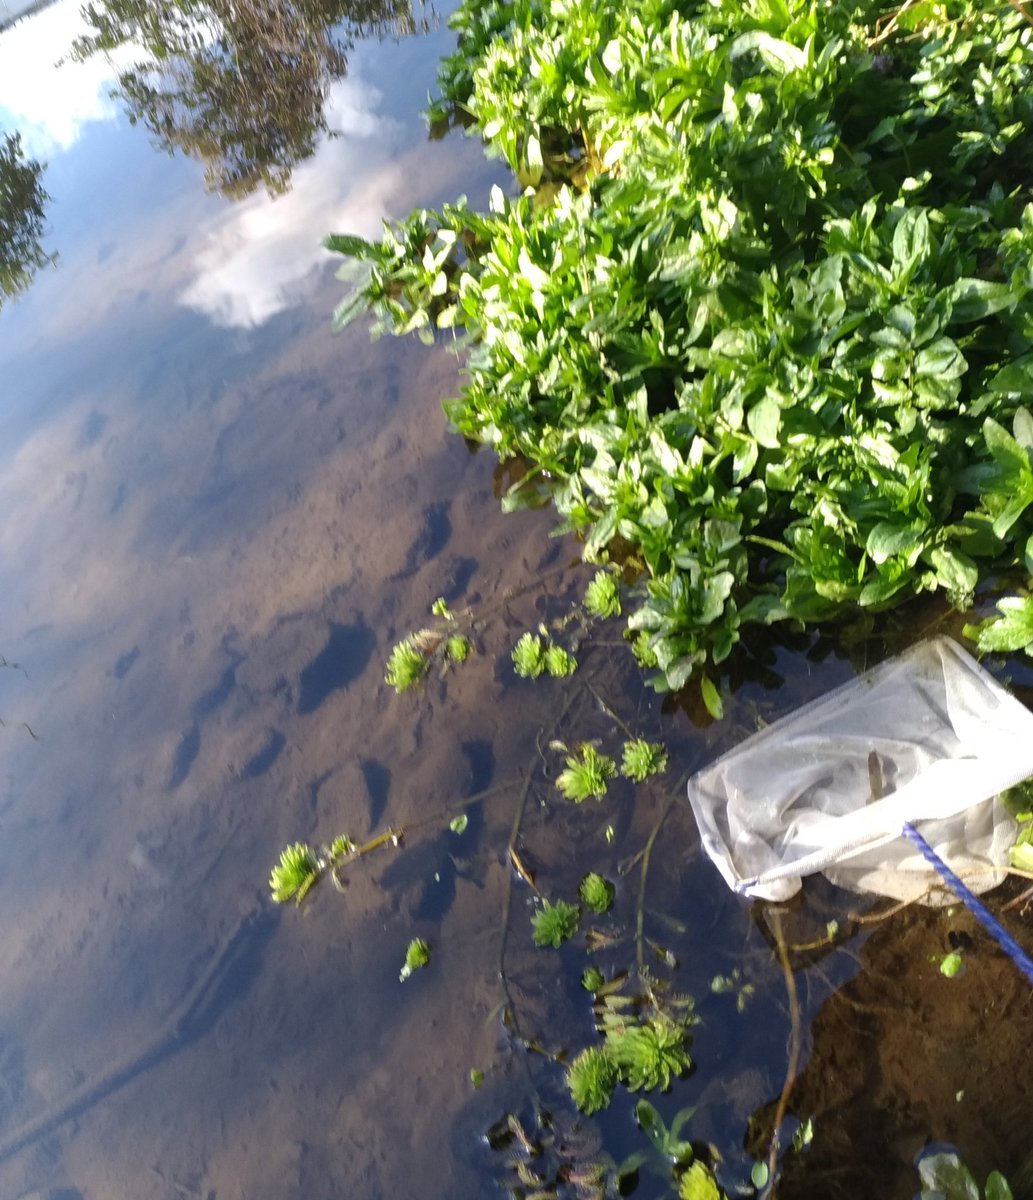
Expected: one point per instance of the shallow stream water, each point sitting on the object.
(218, 519)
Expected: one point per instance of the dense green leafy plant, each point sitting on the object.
(762, 314)
(596, 893)
(642, 759)
(586, 776)
(554, 924)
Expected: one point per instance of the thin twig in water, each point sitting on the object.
(793, 1064)
(640, 913)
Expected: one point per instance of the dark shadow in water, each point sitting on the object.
(480, 758)
(186, 753)
(218, 695)
(264, 759)
(378, 785)
(125, 662)
(341, 661)
(434, 535)
(458, 579)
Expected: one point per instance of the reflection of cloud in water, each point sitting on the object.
(48, 104)
(260, 249)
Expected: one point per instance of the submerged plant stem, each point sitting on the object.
(793, 1064)
(640, 913)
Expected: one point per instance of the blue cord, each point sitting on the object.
(982, 914)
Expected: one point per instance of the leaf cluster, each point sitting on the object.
(295, 874)
(586, 775)
(554, 924)
(536, 654)
(763, 311)
(643, 1049)
(22, 218)
(945, 1177)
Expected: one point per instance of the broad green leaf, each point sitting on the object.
(711, 698)
(350, 308)
(889, 540)
(1012, 629)
(948, 1176)
(956, 572)
(1009, 455)
(941, 360)
(347, 243)
(763, 421)
(997, 1187)
(972, 299)
(910, 240)
(776, 54)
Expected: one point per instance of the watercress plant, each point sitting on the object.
(760, 314)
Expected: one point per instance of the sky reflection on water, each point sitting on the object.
(210, 504)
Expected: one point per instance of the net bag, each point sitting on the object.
(927, 739)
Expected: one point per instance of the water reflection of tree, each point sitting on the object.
(241, 85)
(22, 212)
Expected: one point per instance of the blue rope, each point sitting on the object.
(982, 914)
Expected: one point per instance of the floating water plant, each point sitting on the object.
(592, 1077)
(529, 656)
(417, 955)
(596, 893)
(602, 596)
(407, 665)
(554, 924)
(536, 654)
(586, 776)
(642, 759)
(301, 866)
(295, 874)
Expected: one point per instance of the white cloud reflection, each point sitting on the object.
(256, 254)
(49, 104)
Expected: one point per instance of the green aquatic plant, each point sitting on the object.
(417, 955)
(650, 1053)
(758, 311)
(407, 665)
(945, 1176)
(642, 759)
(596, 893)
(591, 1078)
(537, 654)
(586, 776)
(602, 596)
(698, 1183)
(559, 662)
(295, 874)
(592, 979)
(529, 656)
(301, 866)
(457, 648)
(554, 924)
